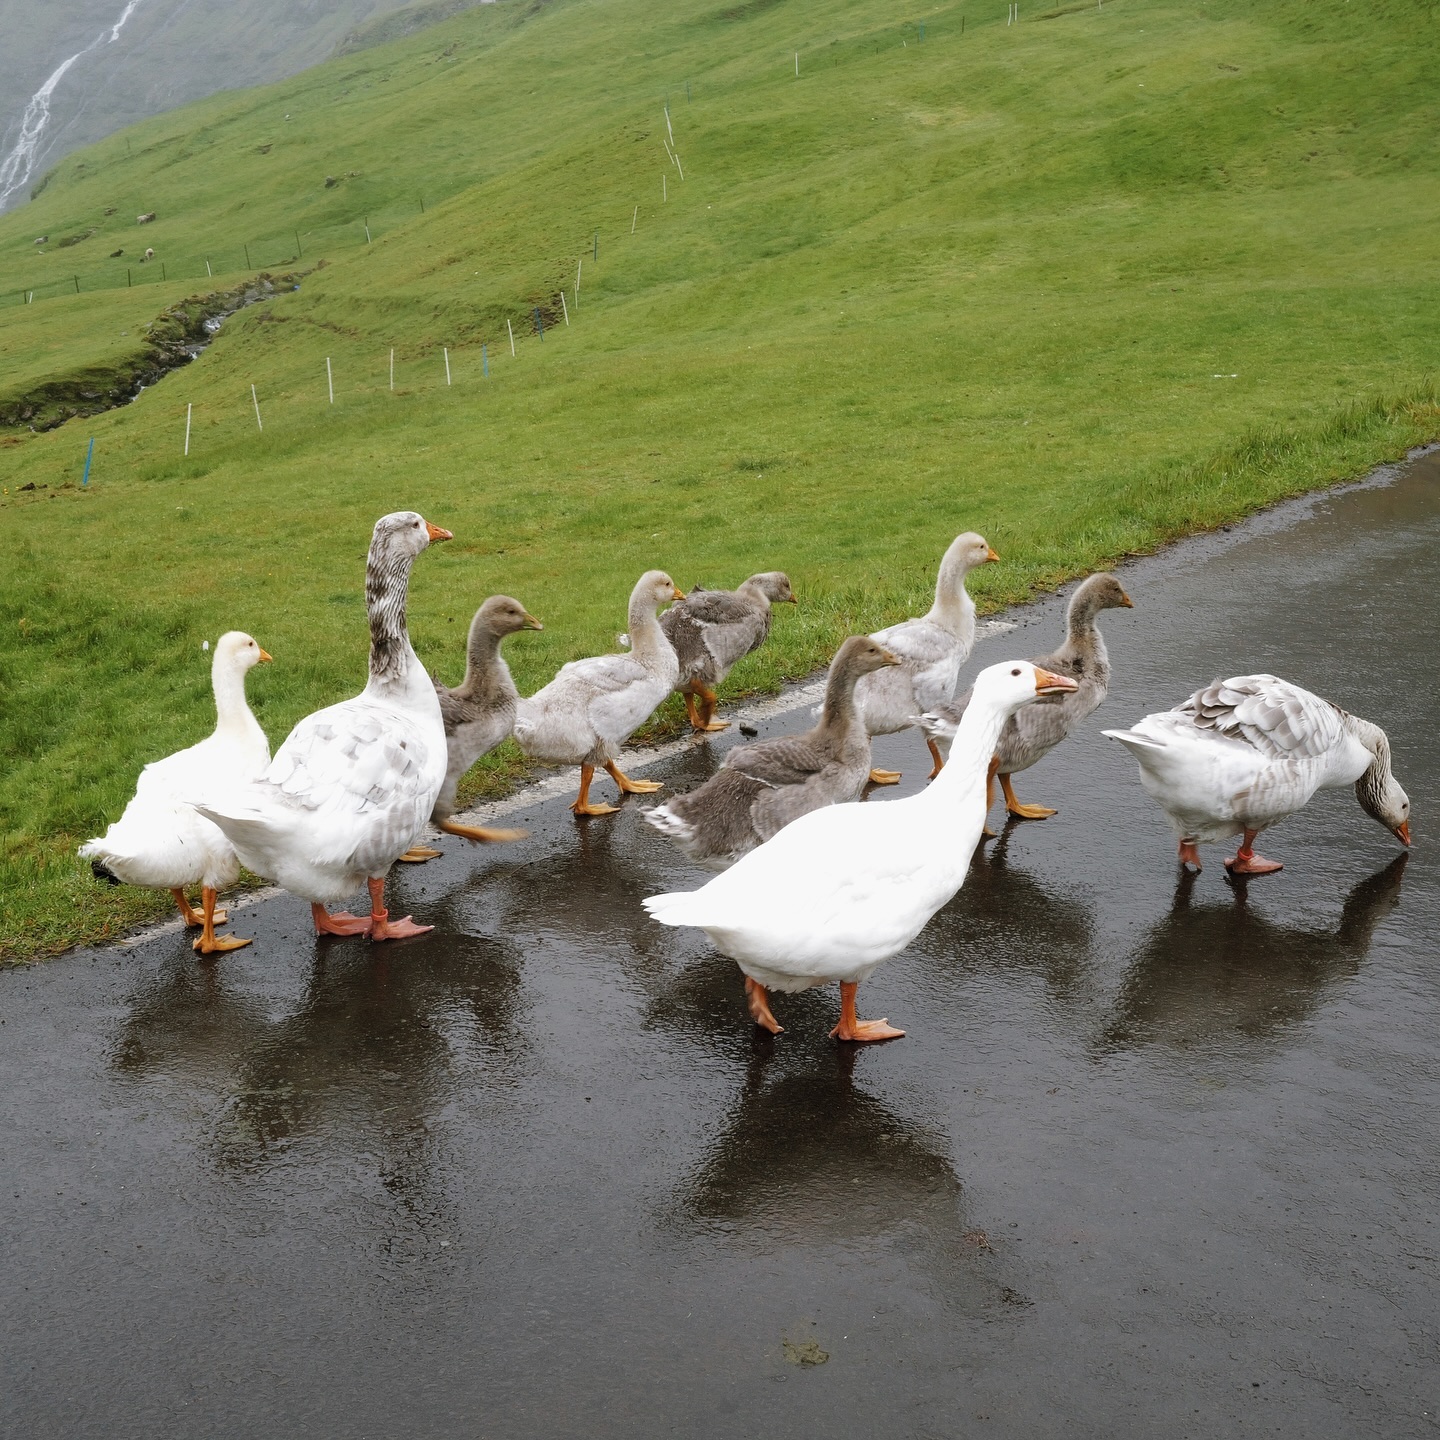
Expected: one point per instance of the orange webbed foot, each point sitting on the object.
(342, 922)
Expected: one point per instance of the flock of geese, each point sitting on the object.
(814, 888)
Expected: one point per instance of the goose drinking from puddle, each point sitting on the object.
(841, 890)
(1032, 733)
(931, 649)
(1244, 753)
(162, 842)
(588, 711)
(478, 713)
(353, 784)
(761, 788)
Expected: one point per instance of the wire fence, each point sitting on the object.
(134, 264)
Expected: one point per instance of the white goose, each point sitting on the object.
(931, 649)
(1246, 752)
(584, 715)
(354, 784)
(161, 842)
(840, 890)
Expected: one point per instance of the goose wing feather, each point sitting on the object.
(1279, 720)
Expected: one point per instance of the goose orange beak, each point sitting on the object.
(1048, 683)
(266, 655)
(436, 533)
(679, 594)
(1126, 601)
(890, 658)
(990, 554)
(1402, 832)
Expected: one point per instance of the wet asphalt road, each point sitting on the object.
(1157, 1158)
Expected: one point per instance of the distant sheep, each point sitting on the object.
(149, 254)
(42, 239)
(144, 219)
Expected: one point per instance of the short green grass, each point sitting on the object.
(1083, 284)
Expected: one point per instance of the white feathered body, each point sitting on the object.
(161, 841)
(931, 653)
(592, 706)
(347, 793)
(1243, 754)
(841, 890)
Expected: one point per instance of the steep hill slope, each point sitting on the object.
(1081, 283)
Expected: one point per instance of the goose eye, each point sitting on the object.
(1014, 672)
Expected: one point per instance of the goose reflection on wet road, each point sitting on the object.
(1157, 1156)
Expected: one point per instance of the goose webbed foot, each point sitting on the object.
(417, 855)
(382, 927)
(482, 835)
(1190, 856)
(341, 922)
(885, 777)
(208, 942)
(758, 1003)
(857, 1030)
(1017, 809)
(188, 913)
(706, 720)
(629, 786)
(583, 804)
(1246, 862)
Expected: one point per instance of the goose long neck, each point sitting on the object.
(838, 710)
(755, 595)
(1082, 634)
(387, 584)
(232, 710)
(646, 636)
(482, 650)
(953, 608)
(1372, 784)
(971, 750)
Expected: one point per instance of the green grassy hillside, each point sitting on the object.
(1082, 283)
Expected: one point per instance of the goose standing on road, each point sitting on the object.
(760, 788)
(1244, 753)
(353, 784)
(162, 842)
(712, 630)
(588, 711)
(478, 713)
(1032, 733)
(841, 890)
(931, 650)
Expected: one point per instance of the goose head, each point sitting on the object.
(403, 535)
(1014, 683)
(1379, 793)
(860, 655)
(774, 585)
(504, 615)
(1101, 591)
(964, 554)
(654, 589)
(237, 651)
